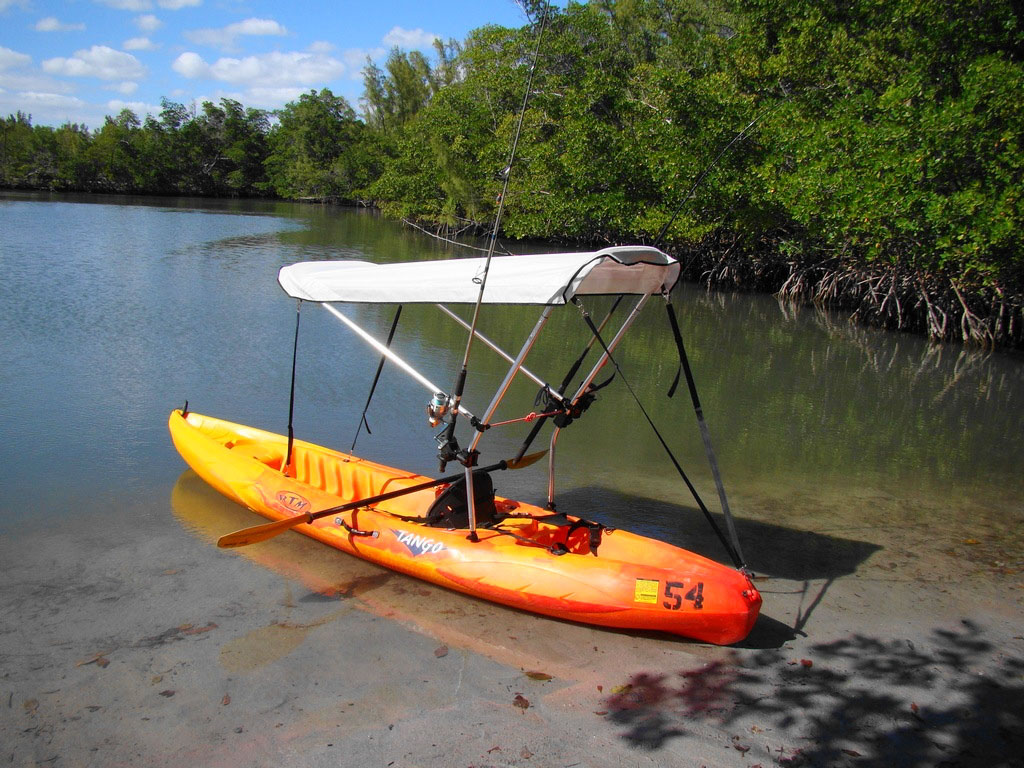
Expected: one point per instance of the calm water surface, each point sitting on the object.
(113, 311)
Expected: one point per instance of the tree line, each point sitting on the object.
(852, 153)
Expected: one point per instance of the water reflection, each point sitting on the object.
(844, 451)
(503, 634)
(129, 307)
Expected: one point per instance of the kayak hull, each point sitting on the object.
(628, 582)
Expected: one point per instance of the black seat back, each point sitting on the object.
(450, 509)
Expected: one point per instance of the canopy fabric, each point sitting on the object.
(548, 278)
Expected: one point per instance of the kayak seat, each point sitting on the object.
(450, 509)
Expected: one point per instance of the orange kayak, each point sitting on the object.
(525, 557)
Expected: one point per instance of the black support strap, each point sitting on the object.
(705, 434)
(291, 397)
(380, 366)
(731, 547)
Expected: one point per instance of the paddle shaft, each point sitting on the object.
(259, 533)
(395, 494)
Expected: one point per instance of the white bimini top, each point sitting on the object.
(547, 278)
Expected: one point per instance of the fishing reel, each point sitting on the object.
(438, 409)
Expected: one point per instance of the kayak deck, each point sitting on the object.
(527, 557)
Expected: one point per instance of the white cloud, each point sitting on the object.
(260, 98)
(139, 44)
(275, 70)
(98, 61)
(147, 22)
(33, 81)
(17, 76)
(127, 5)
(12, 59)
(5, 4)
(53, 24)
(141, 109)
(126, 88)
(257, 27)
(267, 81)
(51, 108)
(224, 37)
(275, 96)
(409, 38)
(269, 70)
(36, 98)
(146, 5)
(42, 106)
(320, 46)
(355, 60)
(191, 65)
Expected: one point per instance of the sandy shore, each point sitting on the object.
(129, 639)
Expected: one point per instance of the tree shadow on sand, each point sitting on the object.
(860, 701)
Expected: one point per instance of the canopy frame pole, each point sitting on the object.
(388, 353)
(593, 337)
(507, 357)
(517, 365)
(499, 395)
(605, 356)
(567, 380)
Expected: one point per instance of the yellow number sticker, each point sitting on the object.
(646, 591)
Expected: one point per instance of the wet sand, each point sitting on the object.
(128, 638)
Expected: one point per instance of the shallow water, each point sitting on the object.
(876, 481)
(115, 310)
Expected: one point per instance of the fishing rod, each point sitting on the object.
(703, 174)
(449, 449)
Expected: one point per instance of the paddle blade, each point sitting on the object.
(257, 533)
(526, 461)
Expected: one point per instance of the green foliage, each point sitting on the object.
(897, 137)
(318, 150)
(406, 85)
(220, 151)
(16, 149)
(865, 153)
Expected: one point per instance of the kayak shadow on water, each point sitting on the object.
(771, 550)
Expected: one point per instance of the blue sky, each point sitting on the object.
(80, 60)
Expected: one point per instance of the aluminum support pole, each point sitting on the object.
(389, 354)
